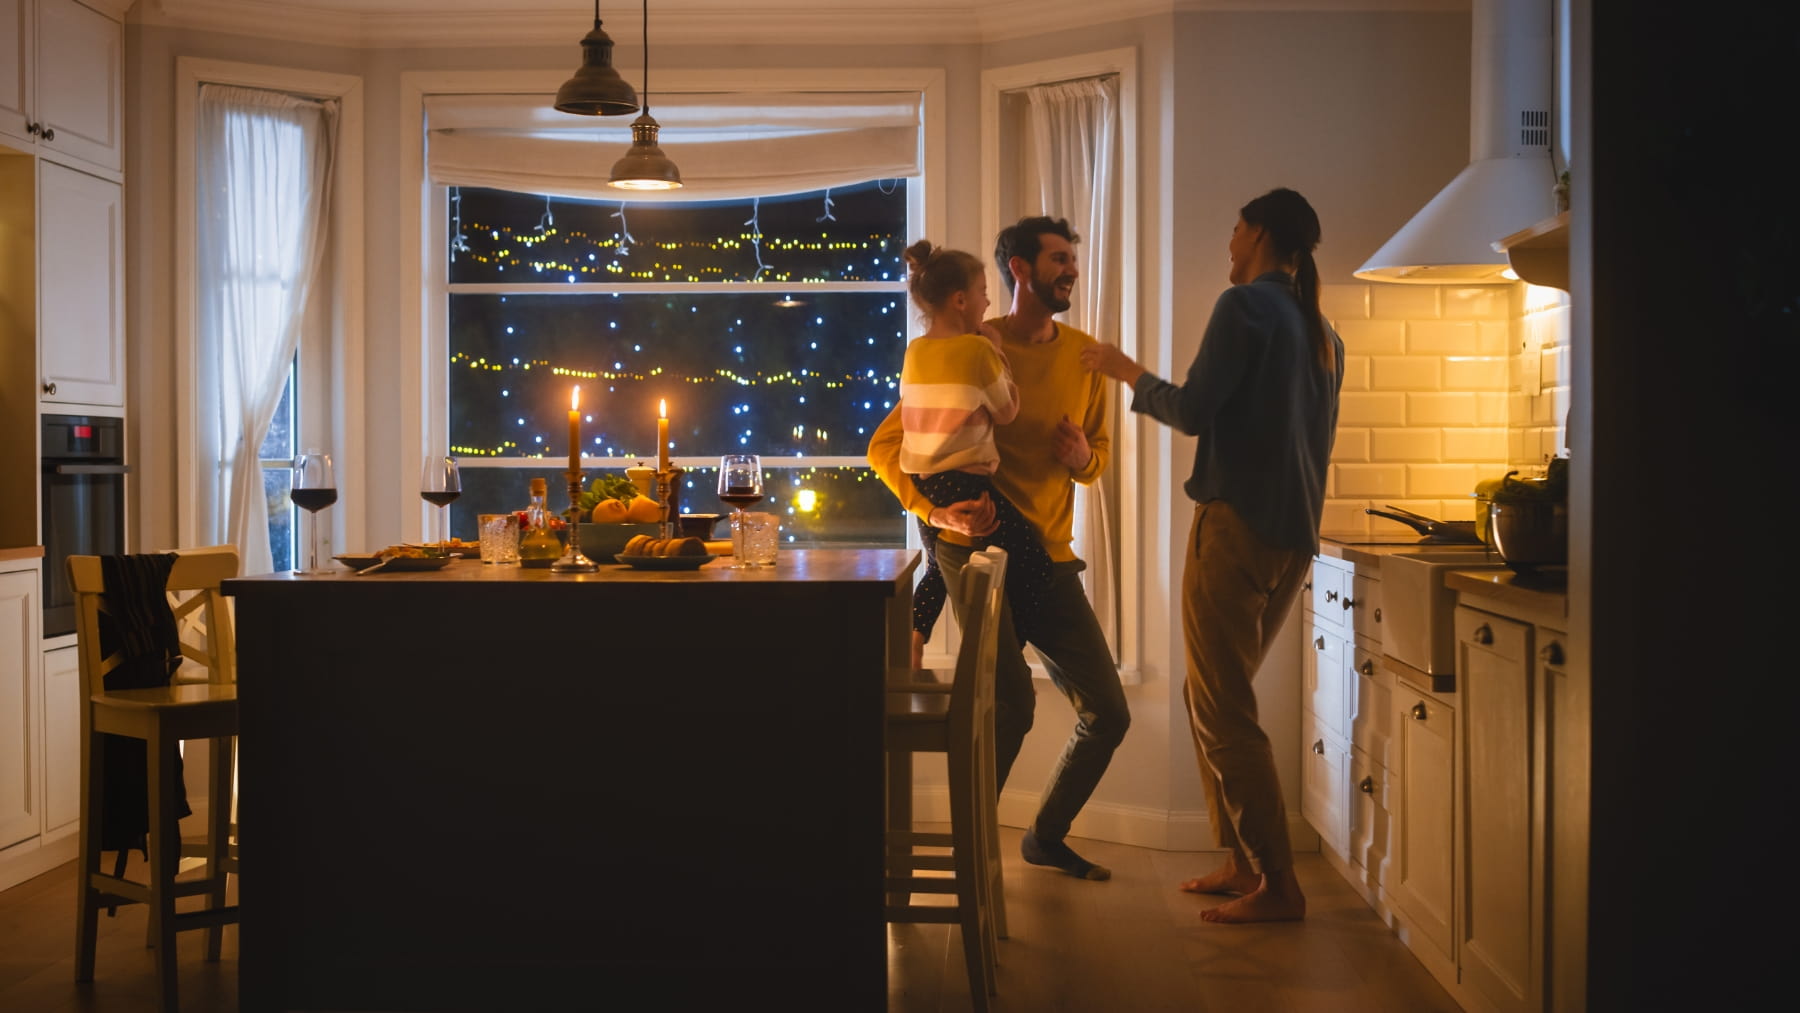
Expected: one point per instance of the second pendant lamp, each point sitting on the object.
(644, 166)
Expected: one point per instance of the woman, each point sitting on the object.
(1262, 396)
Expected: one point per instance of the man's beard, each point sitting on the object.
(1046, 294)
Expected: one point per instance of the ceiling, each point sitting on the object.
(437, 23)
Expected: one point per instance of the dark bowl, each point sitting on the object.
(698, 525)
(601, 542)
(1529, 533)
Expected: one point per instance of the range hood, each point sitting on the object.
(1507, 184)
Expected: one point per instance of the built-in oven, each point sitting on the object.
(84, 504)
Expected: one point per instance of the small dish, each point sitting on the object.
(665, 562)
(396, 564)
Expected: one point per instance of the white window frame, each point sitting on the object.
(424, 388)
(330, 381)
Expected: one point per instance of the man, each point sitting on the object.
(1059, 438)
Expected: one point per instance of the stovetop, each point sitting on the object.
(1394, 538)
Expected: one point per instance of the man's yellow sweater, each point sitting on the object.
(1052, 384)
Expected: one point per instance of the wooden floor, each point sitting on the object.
(1134, 944)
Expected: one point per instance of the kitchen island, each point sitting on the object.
(485, 787)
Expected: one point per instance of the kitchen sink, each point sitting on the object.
(1418, 628)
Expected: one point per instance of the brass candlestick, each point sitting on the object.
(668, 489)
(573, 561)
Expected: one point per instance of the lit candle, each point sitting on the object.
(575, 430)
(662, 436)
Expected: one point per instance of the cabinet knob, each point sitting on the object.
(1318, 642)
(1331, 596)
(1349, 603)
(1483, 634)
(1307, 586)
(50, 387)
(1378, 614)
(1418, 712)
(31, 128)
(1368, 667)
(1552, 653)
(1367, 786)
(1319, 746)
(47, 133)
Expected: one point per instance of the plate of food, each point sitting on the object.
(641, 562)
(395, 559)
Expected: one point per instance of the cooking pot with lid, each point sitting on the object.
(1529, 533)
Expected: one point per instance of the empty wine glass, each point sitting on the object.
(313, 488)
(740, 485)
(439, 484)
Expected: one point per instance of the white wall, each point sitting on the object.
(1365, 113)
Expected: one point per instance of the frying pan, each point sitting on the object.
(1441, 531)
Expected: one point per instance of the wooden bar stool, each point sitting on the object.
(161, 717)
(960, 725)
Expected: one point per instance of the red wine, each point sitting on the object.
(440, 498)
(313, 500)
(740, 499)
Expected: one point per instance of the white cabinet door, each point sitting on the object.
(81, 287)
(1564, 723)
(1424, 817)
(62, 738)
(79, 67)
(19, 621)
(1502, 831)
(15, 69)
(1324, 784)
(1371, 825)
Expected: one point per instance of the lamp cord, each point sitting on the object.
(646, 56)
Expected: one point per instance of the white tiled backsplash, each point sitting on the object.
(1443, 387)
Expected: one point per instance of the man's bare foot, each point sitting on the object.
(1225, 879)
(1278, 899)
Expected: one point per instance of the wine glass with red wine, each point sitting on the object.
(313, 488)
(741, 486)
(439, 484)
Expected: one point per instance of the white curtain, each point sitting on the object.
(1072, 130)
(728, 146)
(264, 176)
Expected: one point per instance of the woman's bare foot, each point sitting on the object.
(1278, 899)
(1225, 879)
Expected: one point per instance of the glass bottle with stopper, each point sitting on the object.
(539, 547)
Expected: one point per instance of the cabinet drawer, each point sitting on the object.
(1330, 586)
(1370, 823)
(1371, 703)
(1324, 782)
(1323, 677)
(1365, 607)
(1505, 638)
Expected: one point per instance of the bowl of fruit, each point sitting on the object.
(613, 512)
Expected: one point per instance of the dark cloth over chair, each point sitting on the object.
(138, 623)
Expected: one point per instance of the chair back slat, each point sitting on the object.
(201, 614)
(972, 693)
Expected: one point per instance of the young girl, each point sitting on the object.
(955, 386)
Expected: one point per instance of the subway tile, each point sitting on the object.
(1440, 479)
(1373, 337)
(1493, 337)
(1552, 442)
(1356, 372)
(1372, 409)
(1351, 446)
(1483, 444)
(1369, 479)
(1344, 302)
(1443, 337)
(1477, 302)
(1456, 508)
(1521, 445)
(1406, 372)
(1475, 372)
(1345, 516)
(1555, 366)
(1539, 298)
(1452, 409)
(1490, 409)
(1389, 301)
(1403, 445)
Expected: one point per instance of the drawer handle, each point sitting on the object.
(1308, 586)
(1552, 652)
(1331, 596)
(1367, 785)
(1318, 642)
(1484, 635)
(1319, 747)
(1418, 712)
(1368, 667)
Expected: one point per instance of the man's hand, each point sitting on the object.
(1069, 444)
(971, 517)
(1107, 359)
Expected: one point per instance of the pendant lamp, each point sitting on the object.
(644, 166)
(596, 89)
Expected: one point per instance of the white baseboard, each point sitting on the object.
(1139, 826)
(35, 857)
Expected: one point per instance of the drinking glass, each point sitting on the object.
(741, 486)
(314, 487)
(439, 484)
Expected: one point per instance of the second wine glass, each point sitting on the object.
(741, 486)
(312, 489)
(439, 484)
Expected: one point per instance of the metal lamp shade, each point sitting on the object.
(596, 89)
(645, 167)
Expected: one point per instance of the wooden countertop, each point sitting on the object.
(21, 552)
(1539, 596)
(1363, 553)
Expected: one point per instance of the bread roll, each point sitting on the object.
(637, 545)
